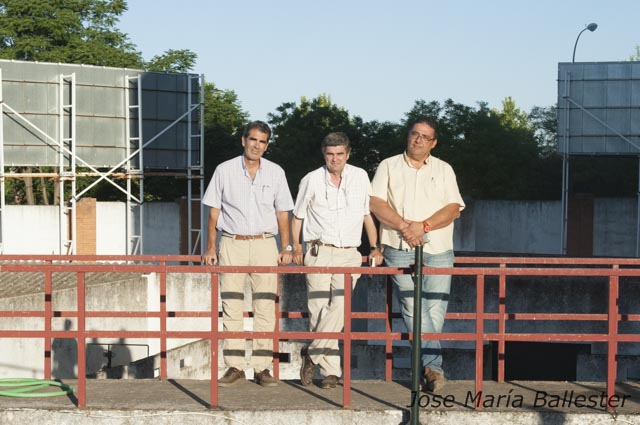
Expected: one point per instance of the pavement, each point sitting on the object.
(372, 402)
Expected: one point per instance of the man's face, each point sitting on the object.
(336, 158)
(421, 140)
(255, 144)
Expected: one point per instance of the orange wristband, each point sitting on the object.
(425, 226)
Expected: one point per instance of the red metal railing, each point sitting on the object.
(480, 267)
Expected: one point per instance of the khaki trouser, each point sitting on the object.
(256, 252)
(325, 293)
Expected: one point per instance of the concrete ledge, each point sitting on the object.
(372, 402)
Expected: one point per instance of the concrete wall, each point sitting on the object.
(531, 227)
(33, 229)
(614, 222)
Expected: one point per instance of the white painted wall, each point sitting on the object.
(485, 226)
(31, 229)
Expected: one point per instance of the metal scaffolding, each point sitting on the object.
(604, 137)
(118, 142)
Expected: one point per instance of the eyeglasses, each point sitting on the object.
(419, 136)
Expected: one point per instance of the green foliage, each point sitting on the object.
(495, 153)
(545, 125)
(298, 131)
(511, 116)
(635, 56)
(71, 31)
(173, 61)
(224, 121)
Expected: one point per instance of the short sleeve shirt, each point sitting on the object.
(248, 207)
(331, 214)
(416, 194)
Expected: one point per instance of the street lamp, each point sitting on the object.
(591, 27)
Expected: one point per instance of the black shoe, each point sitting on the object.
(329, 382)
(265, 379)
(306, 369)
(230, 377)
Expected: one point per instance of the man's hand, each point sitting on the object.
(413, 233)
(285, 257)
(210, 258)
(298, 254)
(375, 258)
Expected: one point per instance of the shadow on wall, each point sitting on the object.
(100, 357)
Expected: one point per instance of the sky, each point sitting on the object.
(375, 58)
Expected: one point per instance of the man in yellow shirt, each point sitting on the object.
(416, 198)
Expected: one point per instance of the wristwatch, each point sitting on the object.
(288, 248)
(374, 247)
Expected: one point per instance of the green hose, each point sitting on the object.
(26, 387)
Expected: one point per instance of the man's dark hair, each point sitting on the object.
(337, 138)
(257, 125)
(428, 121)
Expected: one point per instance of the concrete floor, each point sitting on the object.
(372, 402)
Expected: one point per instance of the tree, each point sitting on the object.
(635, 56)
(81, 32)
(71, 31)
(298, 131)
(224, 121)
(495, 152)
(545, 125)
(511, 116)
(173, 61)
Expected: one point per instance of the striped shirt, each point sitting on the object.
(334, 215)
(248, 207)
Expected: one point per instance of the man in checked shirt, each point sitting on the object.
(331, 207)
(250, 203)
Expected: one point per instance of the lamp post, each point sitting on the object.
(591, 27)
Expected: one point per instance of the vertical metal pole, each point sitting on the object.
(2, 181)
(637, 213)
(565, 165)
(213, 385)
(346, 342)
(415, 347)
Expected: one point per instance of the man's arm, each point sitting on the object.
(296, 230)
(375, 257)
(443, 217)
(385, 214)
(210, 257)
(284, 230)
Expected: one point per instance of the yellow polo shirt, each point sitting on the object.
(416, 194)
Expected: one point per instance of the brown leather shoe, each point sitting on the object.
(230, 377)
(329, 382)
(265, 379)
(433, 381)
(306, 369)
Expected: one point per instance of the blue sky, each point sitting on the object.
(375, 58)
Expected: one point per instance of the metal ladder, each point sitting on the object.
(67, 163)
(195, 164)
(135, 165)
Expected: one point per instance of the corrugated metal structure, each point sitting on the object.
(598, 114)
(108, 122)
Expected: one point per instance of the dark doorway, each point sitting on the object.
(540, 361)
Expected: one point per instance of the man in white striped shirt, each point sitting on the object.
(331, 207)
(250, 203)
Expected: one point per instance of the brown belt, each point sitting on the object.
(317, 242)
(248, 237)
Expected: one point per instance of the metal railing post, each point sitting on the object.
(415, 346)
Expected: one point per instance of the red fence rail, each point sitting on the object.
(480, 267)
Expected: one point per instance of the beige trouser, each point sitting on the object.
(256, 252)
(325, 293)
